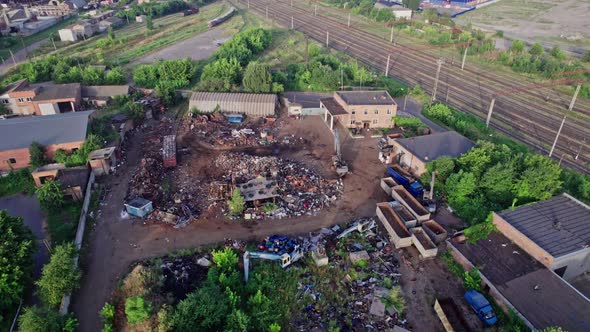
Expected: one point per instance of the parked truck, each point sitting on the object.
(481, 306)
(415, 188)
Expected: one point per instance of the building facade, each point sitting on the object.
(42, 98)
(359, 109)
(251, 104)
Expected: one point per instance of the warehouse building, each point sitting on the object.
(416, 152)
(251, 104)
(556, 232)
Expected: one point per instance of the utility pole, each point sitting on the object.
(349, 20)
(12, 54)
(391, 36)
(564, 117)
(490, 111)
(431, 193)
(266, 11)
(405, 101)
(292, 26)
(53, 41)
(315, 13)
(248, 4)
(464, 56)
(327, 38)
(387, 68)
(580, 149)
(439, 62)
(341, 79)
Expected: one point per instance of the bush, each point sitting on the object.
(37, 155)
(472, 280)
(137, 309)
(60, 276)
(19, 181)
(395, 299)
(42, 319)
(108, 316)
(236, 204)
(50, 195)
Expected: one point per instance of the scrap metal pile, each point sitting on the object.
(300, 190)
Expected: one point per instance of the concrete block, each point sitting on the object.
(359, 255)
(203, 262)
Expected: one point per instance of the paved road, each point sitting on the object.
(412, 107)
(20, 56)
(28, 208)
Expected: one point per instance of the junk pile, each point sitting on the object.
(297, 190)
(357, 289)
(181, 276)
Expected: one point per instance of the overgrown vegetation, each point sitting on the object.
(80, 156)
(17, 181)
(17, 246)
(412, 126)
(44, 319)
(153, 9)
(36, 155)
(50, 195)
(236, 204)
(165, 76)
(365, 8)
(59, 277)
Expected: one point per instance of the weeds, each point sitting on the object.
(395, 299)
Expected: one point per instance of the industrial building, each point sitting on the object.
(556, 232)
(359, 109)
(416, 152)
(250, 104)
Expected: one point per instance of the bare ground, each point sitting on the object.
(115, 243)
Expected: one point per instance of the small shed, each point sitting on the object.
(169, 151)
(102, 160)
(139, 207)
(140, 18)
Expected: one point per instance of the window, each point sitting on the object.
(376, 111)
(352, 122)
(21, 100)
(5, 101)
(12, 161)
(29, 98)
(388, 112)
(374, 121)
(366, 112)
(353, 112)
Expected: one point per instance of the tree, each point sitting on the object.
(17, 246)
(37, 156)
(226, 259)
(537, 49)
(4, 110)
(444, 167)
(459, 186)
(137, 309)
(557, 53)
(237, 321)
(262, 313)
(203, 310)
(40, 319)
(586, 57)
(257, 78)
(517, 46)
(60, 276)
(236, 204)
(50, 195)
(540, 179)
(149, 23)
(412, 4)
(497, 183)
(115, 77)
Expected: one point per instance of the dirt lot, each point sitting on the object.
(552, 22)
(197, 48)
(116, 242)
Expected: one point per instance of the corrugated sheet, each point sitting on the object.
(253, 104)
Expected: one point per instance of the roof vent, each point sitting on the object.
(557, 225)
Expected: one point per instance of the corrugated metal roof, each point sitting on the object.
(105, 90)
(255, 104)
(560, 225)
(431, 147)
(18, 133)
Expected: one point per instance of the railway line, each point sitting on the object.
(534, 124)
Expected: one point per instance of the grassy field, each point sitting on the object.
(5, 53)
(135, 40)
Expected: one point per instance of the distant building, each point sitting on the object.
(140, 18)
(359, 109)
(100, 95)
(54, 132)
(400, 12)
(43, 98)
(556, 232)
(416, 152)
(14, 20)
(77, 31)
(113, 22)
(251, 104)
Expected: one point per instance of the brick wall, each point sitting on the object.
(378, 116)
(22, 157)
(522, 241)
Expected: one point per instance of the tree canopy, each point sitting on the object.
(60, 276)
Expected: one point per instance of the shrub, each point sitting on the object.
(37, 156)
(395, 299)
(137, 309)
(50, 195)
(472, 279)
(60, 276)
(226, 259)
(236, 204)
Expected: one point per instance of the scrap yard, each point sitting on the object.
(529, 113)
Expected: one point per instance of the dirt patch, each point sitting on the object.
(181, 276)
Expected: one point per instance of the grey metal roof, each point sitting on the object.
(560, 225)
(74, 177)
(49, 91)
(431, 147)
(18, 133)
(366, 97)
(255, 104)
(105, 90)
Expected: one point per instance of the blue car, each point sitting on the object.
(481, 306)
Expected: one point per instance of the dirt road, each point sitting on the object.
(20, 56)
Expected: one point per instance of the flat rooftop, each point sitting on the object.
(431, 147)
(366, 97)
(516, 275)
(560, 225)
(333, 106)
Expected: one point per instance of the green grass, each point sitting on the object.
(17, 182)
(63, 223)
(5, 53)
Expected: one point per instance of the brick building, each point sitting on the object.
(359, 109)
(43, 98)
(62, 131)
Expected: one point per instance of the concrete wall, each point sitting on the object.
(522, 241)
(399, 239)
(577, 264)
(22, 155)
(400, 194)
(407, 159)
(68, 35)
(374, 116)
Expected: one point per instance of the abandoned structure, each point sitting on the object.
(101, 95)
(101, 161)
(416, 152)
(62, 131)
(46, 98)
(250, 104)
(73, 180)
(359, 109)
(77, 31)
(556, 232)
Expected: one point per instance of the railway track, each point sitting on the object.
(534, 124)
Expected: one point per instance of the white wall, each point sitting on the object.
(48, 109)
(577, 263)
(67, 35)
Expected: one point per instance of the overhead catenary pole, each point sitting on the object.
(490, 111)
(573, 101)
(292, 23)
(12, 55)
(464, 56)
(387, 68)
(266, 11)
(327, 38)
(580, 149)
(315, 12)
(391, 36)
(439, 63)
(405, 101)
(349, 20)
(53, 41)
(248, 3)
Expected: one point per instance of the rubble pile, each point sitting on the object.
(181, 276)
(300, 190)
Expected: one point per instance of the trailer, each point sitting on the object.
(401, 195)
(422, 242)
(220, 19)
(450, 315)
(398, 233)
